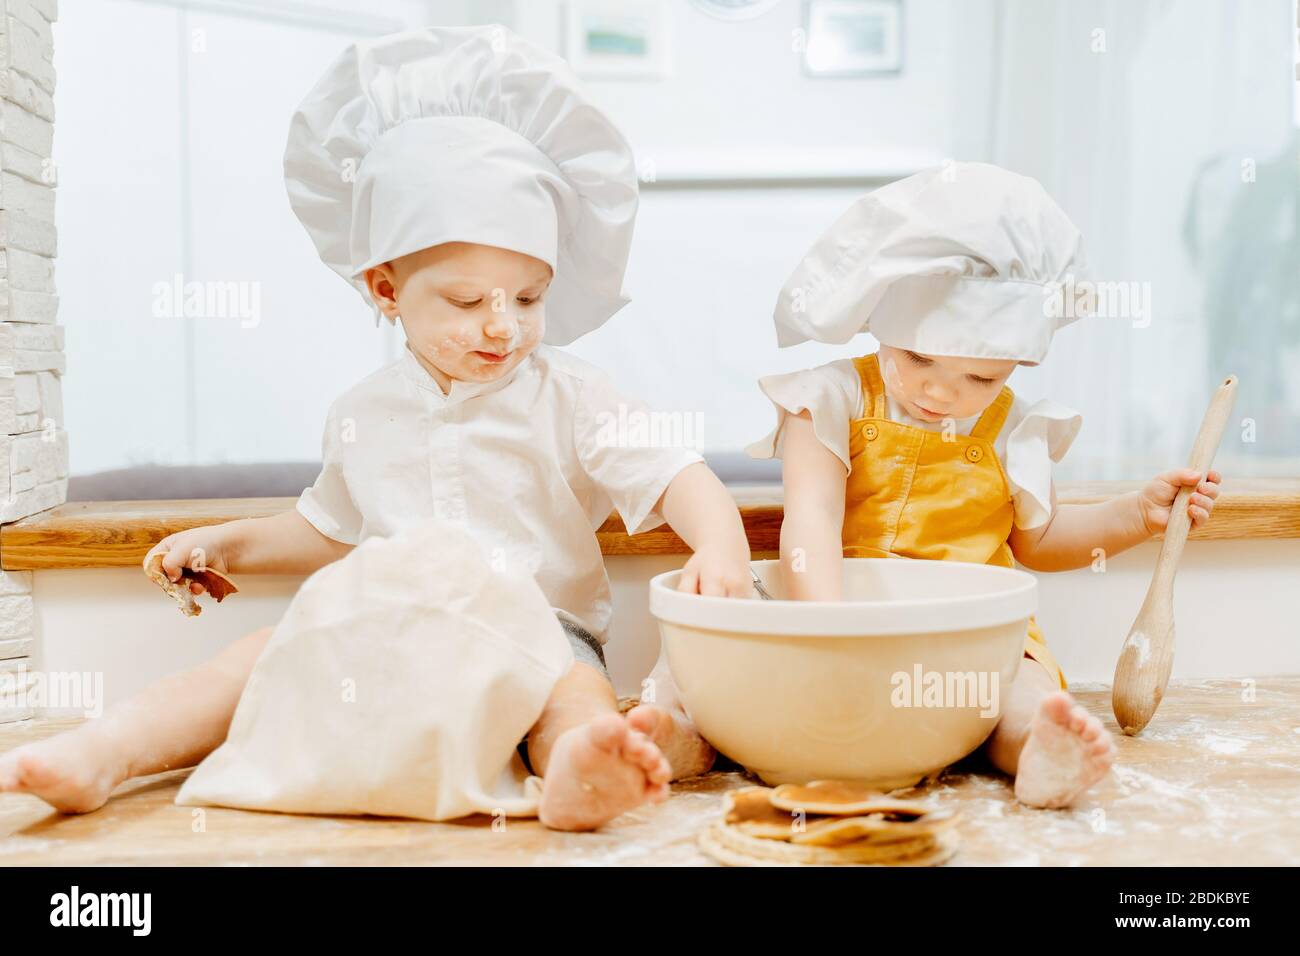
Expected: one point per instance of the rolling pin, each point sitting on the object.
(1148, 653)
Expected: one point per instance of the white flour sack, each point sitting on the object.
(398, 683)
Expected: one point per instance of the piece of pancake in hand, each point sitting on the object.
(213, 581)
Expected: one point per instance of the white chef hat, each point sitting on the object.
(465, 134)
(966, 260)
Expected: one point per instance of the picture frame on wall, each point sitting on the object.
(844, 38)
(735, 9)
(626, 39)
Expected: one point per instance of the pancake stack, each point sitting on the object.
(828, 823)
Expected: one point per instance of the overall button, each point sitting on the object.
(870, 432)
(974, 453)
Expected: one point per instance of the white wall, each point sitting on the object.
(169, 144)
(737, 87)
(708, 263)
(1116, 137)
(170, 162)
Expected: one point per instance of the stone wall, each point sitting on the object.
(33, 443)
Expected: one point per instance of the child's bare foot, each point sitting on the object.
(598, 770)
(73, 772)
(688, 753)
(1068, 750)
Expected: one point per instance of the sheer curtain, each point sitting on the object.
(1167, 131)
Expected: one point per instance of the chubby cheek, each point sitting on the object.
(893, 379)
(903, 382)
(531, 329)
(977, 404)
(975, 399)
(450, 340)
(908, 383)
(450, 344)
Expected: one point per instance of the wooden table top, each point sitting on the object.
(1212, 781)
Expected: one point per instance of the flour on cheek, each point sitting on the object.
(892, 379)
(529, 333)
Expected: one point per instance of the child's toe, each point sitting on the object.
(647, 757)
(636, 746)
(661, 772)
(1074, 723)
(1056, 707)
(29, 771)
(649, 720)
(635, 750)
(608, 732)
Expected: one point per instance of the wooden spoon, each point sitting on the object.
(1148, 653)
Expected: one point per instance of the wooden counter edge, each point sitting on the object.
(107, 534)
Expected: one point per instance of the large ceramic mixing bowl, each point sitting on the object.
(904, 677)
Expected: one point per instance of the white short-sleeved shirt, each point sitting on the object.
(1033, 436)
(531, 464)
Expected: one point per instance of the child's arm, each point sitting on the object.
(812, 551)
(286, 543)
(699, 508)
(1068, 538)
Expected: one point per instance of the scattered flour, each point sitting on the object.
(1148, 788)
(1223, 745)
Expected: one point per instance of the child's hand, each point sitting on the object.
(1155, 502)
(196, 549)
(718, 574)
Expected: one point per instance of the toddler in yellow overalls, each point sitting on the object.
(921, 451)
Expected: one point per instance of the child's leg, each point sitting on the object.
(594, 764)
(1053, 747)
(173, 723)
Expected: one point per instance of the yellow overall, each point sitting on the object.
(912, 494)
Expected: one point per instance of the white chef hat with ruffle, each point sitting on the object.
(965, 259)
(465, 134)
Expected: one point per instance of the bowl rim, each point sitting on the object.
(786, 618)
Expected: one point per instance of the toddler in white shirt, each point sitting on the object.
(460, 180)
